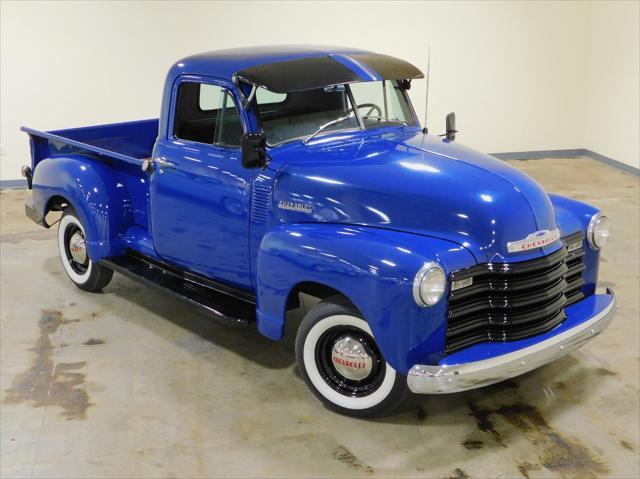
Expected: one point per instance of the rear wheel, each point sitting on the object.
(341, 363)
(84, 273)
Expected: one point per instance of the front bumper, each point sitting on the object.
(448, 377)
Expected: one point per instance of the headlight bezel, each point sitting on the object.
(591, 230)
(418, 282)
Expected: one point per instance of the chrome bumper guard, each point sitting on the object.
(461, 377)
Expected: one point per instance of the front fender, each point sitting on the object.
(91, 187)
(573, 216)
(374, 268)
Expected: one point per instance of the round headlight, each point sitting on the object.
(429, 285)
(598, 231)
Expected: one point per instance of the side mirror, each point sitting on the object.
(451, 127)
(254, 150)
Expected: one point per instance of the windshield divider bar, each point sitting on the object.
(384, 95)
(355, 107)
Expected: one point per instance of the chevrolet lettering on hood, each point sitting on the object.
(534, 240)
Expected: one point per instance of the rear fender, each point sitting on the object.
(373, 268)
(92, 189)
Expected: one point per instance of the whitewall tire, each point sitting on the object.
(84, 273)
(341, 363)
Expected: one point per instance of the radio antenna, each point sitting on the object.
(425, 129)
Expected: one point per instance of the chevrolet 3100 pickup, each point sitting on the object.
(275, 172)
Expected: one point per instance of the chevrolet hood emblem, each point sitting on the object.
(538, 239)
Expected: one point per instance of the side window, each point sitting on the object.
(265, 97)
(207, 114)
(209, 97)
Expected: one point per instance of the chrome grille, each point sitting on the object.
(511, 301)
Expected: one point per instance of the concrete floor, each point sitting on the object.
(129, 383)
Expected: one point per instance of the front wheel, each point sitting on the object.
(341, 363)
(84, 273)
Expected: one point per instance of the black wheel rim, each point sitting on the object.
(339, 383)
(80, 268)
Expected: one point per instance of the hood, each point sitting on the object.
(418, 184)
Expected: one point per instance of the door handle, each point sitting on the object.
(164, 163)
(149, 165)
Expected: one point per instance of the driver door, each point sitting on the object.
(199, 199)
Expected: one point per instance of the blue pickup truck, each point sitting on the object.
(277, 172)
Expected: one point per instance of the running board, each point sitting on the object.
(224, 303)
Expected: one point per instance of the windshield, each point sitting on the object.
(308, 113)
(382, 102)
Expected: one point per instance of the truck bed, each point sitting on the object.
(121, 146)
(130, 142)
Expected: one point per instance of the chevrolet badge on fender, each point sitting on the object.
(290, 205)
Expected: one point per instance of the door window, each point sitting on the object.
(207, 114)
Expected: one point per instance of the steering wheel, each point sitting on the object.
(372, 107)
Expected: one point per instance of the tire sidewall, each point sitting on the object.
(320, 319)
(68, 219)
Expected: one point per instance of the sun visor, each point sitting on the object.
(317, 72)
(296, 75)
(387, 67)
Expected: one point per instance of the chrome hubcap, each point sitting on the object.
(350, 358)
(78, 248)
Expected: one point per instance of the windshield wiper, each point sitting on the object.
(327, 125)
(386, 120)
